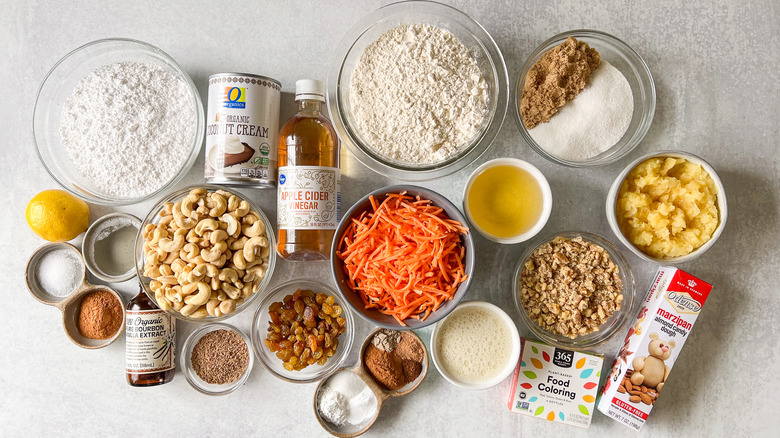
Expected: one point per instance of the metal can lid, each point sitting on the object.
(246, 75)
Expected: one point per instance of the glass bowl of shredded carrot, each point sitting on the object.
(402, 257)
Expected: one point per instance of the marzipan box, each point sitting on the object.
(555, 384)
(652, 346)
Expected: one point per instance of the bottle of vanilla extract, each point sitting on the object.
(150, 343)
(309, 186)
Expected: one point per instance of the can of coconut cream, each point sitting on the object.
(242, 130)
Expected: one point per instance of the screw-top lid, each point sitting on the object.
(310, 89)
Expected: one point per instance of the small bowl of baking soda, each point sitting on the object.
(594, 113)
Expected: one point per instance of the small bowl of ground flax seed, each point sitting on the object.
(217, 359)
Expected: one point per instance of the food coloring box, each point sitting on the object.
(555, 384)
(652, 346)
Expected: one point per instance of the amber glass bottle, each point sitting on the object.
(150, 343)
(308, 193)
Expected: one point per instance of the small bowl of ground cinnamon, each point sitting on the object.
(217, 359)
(396, 360)
(94, 317)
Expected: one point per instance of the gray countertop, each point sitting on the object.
(715, 65)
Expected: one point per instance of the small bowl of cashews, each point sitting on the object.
(203, 253)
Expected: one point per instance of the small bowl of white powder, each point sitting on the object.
(417, 90)
(117, 122)
(607, 119)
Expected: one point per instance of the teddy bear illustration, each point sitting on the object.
(651, 371)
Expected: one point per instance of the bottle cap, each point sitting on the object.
(310, 89)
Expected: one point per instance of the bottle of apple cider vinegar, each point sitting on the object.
(309, 186)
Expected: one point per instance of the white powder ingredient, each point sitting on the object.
(128, 127)
(59, 272)
(346, 399)
(591, 123)
(418, 95)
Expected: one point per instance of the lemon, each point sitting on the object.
(57, 216)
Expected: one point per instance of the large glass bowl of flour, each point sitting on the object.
(480, 46)
(111, 172)
(626, 61)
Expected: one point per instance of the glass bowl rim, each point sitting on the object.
(592, 339)
(172, 197)
(200, 117)
(186, 362)
(411, 173)
(257, 335)
(642, 67)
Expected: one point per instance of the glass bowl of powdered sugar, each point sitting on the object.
(598, 124)
(417, 90)
(117, 122)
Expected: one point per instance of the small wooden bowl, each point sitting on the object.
(381, 393)
(69, 305)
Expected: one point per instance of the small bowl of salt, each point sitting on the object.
(594, 114)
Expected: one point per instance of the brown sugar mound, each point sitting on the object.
(556, 78)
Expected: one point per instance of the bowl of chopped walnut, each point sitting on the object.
(574, 289)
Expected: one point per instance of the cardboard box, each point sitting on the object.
(555, 384)
(652, 346)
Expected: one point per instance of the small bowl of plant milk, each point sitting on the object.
(476, 346)
(109, 247)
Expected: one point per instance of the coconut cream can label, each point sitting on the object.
(242, 130)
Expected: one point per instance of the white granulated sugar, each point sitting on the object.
(418, 95)
(128, 127)
(591, 123)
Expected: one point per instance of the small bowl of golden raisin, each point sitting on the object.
(301, 332)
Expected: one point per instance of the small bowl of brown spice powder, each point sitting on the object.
(94, 316)
(396, 360)
(216, 359)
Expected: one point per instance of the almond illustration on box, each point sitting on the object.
(651, 371)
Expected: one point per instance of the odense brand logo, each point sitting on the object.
(234, 97)
(683, 302)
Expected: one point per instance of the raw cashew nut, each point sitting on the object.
(167, 209)
(174, 245)
(243, 209)
(180, 219)
(220, 205)
(250, 218)
(232, 203)
(206, 225)
(199, 299)
(233, 226)
(238, 244)
(188, 309)
(192, 236)
(215, 283)
(170, 258)
(252, 246)
(212, 307)
(220, 262)
(227, 306)
(200, 312)
(258, 271)
(191, 251)
(211, 270)
(229, 275)
(178, 265)
(238, 260)
(256, 229)
(231, 291)
(197, 273)
(218, 236)
(213, 254)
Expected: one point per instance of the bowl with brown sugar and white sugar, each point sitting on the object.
(594, 113)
